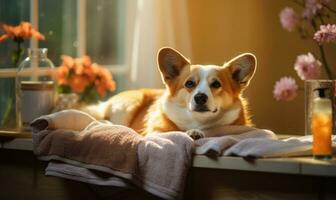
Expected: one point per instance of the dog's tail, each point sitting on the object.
(100, 111)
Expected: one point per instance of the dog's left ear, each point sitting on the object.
(242, 68)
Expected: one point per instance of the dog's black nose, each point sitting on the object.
(200, 98)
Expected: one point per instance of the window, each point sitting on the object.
(73, 27)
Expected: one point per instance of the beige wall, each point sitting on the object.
(221, 29)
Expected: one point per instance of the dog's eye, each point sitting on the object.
(215, 84)
(190, 84)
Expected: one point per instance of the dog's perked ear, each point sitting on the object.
(170, 63)
(242, 68)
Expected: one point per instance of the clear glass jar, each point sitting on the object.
(35, 88)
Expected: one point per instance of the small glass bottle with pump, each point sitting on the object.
(35, 93)
(322, 125)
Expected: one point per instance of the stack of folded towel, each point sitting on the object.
(98, 152)
(80, 148)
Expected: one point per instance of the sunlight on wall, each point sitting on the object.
(221, 29)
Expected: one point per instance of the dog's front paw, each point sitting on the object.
(195, 134)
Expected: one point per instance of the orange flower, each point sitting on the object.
(104, 82)
(23, 31)
(101, 90)
(107, 80)
(78, 83)
(91, 71)
(79, 68)
(81, 64)
(81, 74)
(62, 75)
(68, 61)
(86, 61)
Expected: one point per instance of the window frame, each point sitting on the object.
(35, 71)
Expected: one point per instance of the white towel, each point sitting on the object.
(231, 135)
(67, 119)
(255, 143)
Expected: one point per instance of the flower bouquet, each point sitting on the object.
(315, 23)
(88, 80)
(18, 34)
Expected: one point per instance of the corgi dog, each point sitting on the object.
(196, 97)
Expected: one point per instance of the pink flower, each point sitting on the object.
(314, 7)
(307, 67)
(327, 34)
(285, 89)
(289, 19)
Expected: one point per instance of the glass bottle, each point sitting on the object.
(322, 125)
(35, 90)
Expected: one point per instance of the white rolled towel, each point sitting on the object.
(67, 119)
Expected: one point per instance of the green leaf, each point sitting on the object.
(63, 89)
(90, 95)
(7, 112)
(16, 56)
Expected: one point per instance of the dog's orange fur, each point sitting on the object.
(143, 109)
(235, 91)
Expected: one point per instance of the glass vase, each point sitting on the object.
(35, 88)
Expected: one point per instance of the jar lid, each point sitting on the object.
(37, 85)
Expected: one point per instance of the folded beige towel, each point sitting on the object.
(164, 160)
(105, 145)
(157, 163)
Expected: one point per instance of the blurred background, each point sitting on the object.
(124, 36)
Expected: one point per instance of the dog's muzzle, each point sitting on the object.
(200, 100)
